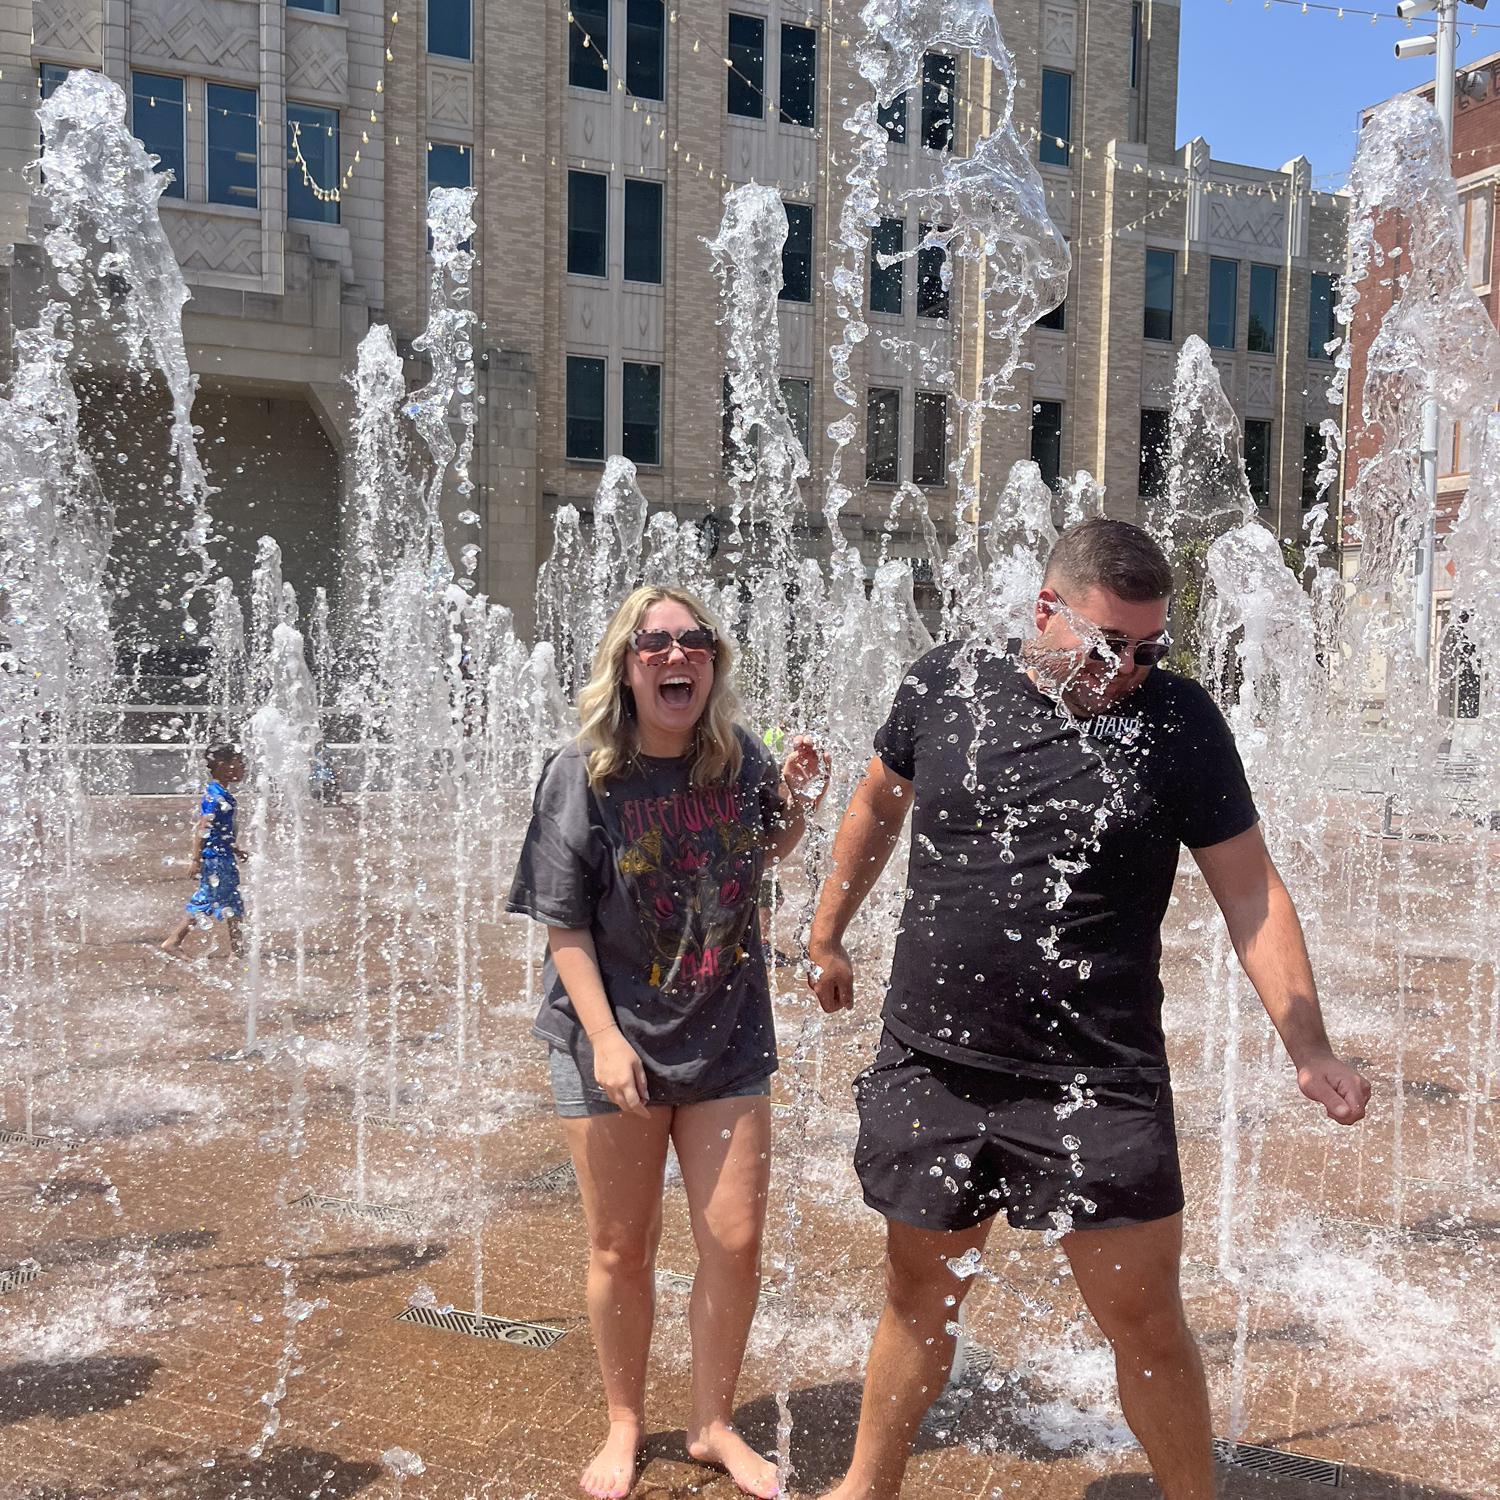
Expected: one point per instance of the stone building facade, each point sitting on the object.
(597, 186)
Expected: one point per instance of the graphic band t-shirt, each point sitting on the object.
(1031, 936)
(664, 875)
(218, 804)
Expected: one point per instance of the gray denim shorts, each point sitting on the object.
(578, 1096)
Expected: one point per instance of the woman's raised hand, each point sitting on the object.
(805, 771)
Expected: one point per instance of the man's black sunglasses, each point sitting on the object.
(1145, 654)
(697, 642)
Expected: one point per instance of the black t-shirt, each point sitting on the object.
(665, 876)
(1042, 862)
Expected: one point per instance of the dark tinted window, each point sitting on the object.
(156, 118)
(450, 31)
(747, 66)
(799, 75)
(888, 238)
(588, 44)
(932, 295)
(1312, 457)
(1151, 482)
(1258, 460)
(314, 131)
(645, 49)
(939, 79)
(1260, 337)
(233, 146)
(588, 219)
(1057, 117)
(642, 230)
(641, 414)
(1046, 439)
(51, 78)
(882, 436)
(585, 422)
(796, 257)
(798, 397)
(893, 118)
(929, 438)
(1322, 327)
(1223, 302)
(1161, 277)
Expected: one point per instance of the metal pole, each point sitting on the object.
(1447, 44)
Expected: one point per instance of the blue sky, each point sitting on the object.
(1265, 85)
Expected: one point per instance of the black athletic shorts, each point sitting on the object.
(945, 1146)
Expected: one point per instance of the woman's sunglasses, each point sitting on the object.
(697, 643)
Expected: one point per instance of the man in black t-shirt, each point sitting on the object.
(1022, 1065)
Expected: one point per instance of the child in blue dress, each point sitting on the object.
(215, 855)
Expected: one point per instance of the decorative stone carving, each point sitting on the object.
(68, 26)
(208, 244)
(219, 34)
(1158, 371)
(1049, 354)
(1256, 222)
(1260, 389)
(317, 60)
(450, 96)
(1060, 34)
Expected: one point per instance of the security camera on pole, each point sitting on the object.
(1444, 43)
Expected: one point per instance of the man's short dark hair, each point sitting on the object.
(222, 753)
(1113, 555)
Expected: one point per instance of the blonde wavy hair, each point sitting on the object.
(606, 706)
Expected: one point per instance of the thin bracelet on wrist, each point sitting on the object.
(613, 1026)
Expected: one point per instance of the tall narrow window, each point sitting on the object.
(1046, 439)
(1258, 460)
(887, 238)
(1321, 323)
(799, 75)
(156, 118)
(588, 224)
(51, 78)
(747, 66)
(233, 146)
(450, 28)
(588, 44)
(1135, 44)
(1057, 117)
(882, 436)
(1161, 288)
(939, 81)
(932, 279)
(798, 397)
(643, 201)
(1223, 302)
(733, 453)
(929, 438)
(796, 255)
(585, 399)
(313, 132)
(1055, 318)
(321, 7)
(892, 118)
(646, 49)
(1312, 459)
(1260, 337)
(449, 166)
(1151, 482)
(1475, 211)
(640, 431)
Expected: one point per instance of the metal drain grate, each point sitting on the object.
(1274, 1461)
(558, 1179)
(18, 1276)
(26, 1138)
(675, 1281)
(481, 1326)
(347, 1208)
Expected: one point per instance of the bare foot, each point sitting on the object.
(611, 1471)
(718, 1443)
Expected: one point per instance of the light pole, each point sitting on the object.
(1445, 44)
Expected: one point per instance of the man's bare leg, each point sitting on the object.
(910, 1356)
(1129, 1279)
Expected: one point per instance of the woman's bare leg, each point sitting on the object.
(619, 1160)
